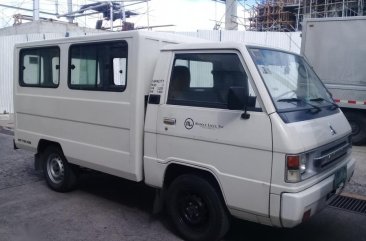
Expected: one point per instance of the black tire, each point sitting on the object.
(197, 209)
(60, 175)
(358, 125)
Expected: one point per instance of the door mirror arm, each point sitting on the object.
(245, 115)
(238, 99)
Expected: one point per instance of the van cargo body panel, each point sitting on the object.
(336, 49)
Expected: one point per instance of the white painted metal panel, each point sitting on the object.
(287, 41)
(35, 37)
(258, 38)
(278, 40)
(233, 36)
(190, 34)
(54, 35)
(91, 33)
(295, 43)
(6, 70)
(213, 35)
(75, 34)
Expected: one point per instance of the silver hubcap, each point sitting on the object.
(55, 169)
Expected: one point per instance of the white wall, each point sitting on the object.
(288, 41)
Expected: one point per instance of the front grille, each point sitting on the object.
(349, 204)
(330, 154)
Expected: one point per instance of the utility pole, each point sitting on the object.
(298, 16)
(56, 6)
(360, 8)
(231, 15)
(148, 15)
(35, 10)
(69, 11)
(111, 14)
(123, 12)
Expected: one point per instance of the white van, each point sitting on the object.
(220, 128)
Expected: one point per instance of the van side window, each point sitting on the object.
(98, 66)
(204, 79)
(39, 67)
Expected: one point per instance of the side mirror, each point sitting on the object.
(237, 98)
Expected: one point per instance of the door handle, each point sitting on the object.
(169, 121)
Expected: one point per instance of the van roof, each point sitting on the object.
(205, 45)
(177, 41)
(168, 37)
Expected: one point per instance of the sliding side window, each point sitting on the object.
(40, 67)
(98, 66)
(205, 80)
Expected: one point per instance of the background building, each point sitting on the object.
(287, 15)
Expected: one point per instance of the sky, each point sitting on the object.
(186, 15)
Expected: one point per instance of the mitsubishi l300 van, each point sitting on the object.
(219, 129)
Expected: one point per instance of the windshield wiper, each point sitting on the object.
(297, 100)
(317, 108)
(319, 99)
(288, 100)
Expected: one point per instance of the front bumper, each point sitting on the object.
(315, 198)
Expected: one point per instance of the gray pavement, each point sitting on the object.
(6, 120)
(102, 208)
(6, 123)
(109, 208)
(357, 184)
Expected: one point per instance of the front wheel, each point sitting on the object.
(197, 209)
(60, 175)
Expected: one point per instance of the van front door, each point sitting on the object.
(196, 128)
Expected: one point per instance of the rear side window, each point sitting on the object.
(40, 67)
(98, 66)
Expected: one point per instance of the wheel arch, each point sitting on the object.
(44, 143)
(41, 147)
(175, 170)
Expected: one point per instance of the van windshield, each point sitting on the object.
(290, 81)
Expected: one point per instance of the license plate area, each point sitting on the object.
(340, 178)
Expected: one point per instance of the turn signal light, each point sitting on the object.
(293, 162)
(298, 167)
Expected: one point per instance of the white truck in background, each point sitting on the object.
(336, 49)
(220, 129)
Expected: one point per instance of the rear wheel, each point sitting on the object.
(197, 209)
(358, 125)
(60, 175)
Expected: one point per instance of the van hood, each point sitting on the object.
(302, 136)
